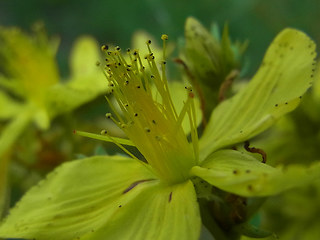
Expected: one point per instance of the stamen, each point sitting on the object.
(193, 126)
(153, 125)
(183, 112)
(104, 138)
(164, 38)
(105, 133)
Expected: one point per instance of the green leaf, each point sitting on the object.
(78, 198)
(285, 74)
(160, 213)
(242, 174)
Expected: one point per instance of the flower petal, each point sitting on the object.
(285, 74)
(9, 107)
(63, 98)
(86, 83)
(159, 213)
(84, 55)
(77, 198)
(244, 175)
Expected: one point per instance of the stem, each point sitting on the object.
(210, 223)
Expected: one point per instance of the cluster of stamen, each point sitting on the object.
(147, 114)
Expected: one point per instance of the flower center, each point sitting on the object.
(147, 114)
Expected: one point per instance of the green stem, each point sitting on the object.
(210, 223)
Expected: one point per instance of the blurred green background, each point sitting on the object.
(116, 21)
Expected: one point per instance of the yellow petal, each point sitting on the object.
(160, 213)
(78, 198)
(244, 175)
(284, 76)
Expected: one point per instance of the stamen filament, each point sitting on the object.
(152, 125)
(194, 132)
(122, 141)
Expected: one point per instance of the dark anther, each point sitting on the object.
(149, 41)
(104, 132)
(136, 114)
(104, 47)
(256, 150)
(276, 105)
(118, 48)
(138, 86)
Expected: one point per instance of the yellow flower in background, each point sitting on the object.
(31, 89)
(30, 85)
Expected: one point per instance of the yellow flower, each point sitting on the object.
(119, 197)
